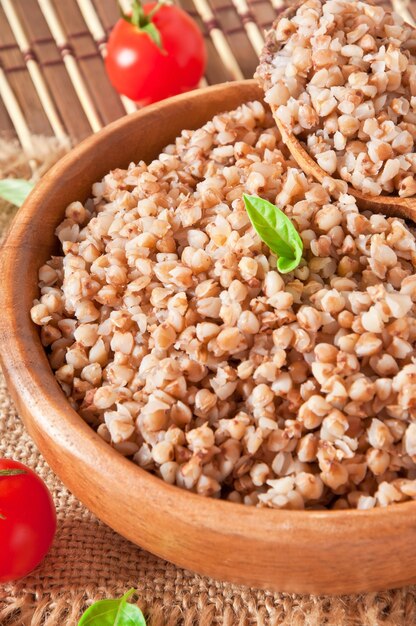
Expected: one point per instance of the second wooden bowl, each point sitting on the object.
(296, 551)
(391, 205)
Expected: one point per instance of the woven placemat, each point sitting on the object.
(89, 561)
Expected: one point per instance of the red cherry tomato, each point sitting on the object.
(27, 520)
(145, 72)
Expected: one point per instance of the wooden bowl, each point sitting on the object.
(295, 551)
(391, 205)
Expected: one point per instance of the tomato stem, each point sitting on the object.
(10, 472)
(143, 21)
(155, 10)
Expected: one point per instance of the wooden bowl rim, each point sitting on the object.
(76, 434)
(298, 149)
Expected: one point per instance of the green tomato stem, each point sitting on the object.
(155, 10)
(143, 21)
(12, 472)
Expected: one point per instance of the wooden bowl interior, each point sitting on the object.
(314, 551)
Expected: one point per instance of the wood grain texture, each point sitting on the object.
(295, 551)
(56, 76)
(105, 98)
(20, 81)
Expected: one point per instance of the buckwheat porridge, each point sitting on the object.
(341, 75)
(172, 333)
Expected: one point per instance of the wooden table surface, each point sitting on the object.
(52, 76)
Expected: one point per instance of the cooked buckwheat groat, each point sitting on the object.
(341, 75)
(171, 332)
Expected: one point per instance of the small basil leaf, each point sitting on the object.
(276, 230)
(113, 613)
(286, 265)
(15, 190)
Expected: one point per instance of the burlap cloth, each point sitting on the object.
(89, 561)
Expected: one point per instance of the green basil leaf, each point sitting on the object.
(276, 230)
(15, 190)
(285, 265)
(113, 613)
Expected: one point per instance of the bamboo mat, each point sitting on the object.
(52, 76)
